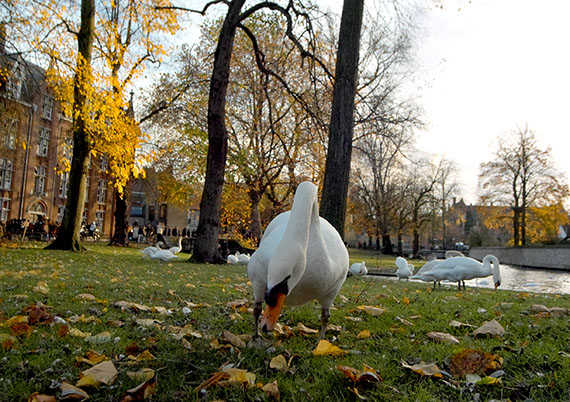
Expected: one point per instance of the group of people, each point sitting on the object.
(142, 234)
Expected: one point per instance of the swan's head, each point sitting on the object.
(496, 270)
(284, 272)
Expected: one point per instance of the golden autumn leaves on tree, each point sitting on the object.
(94, 54)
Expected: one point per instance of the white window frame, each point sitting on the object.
(10, 133)
(43, 141)
(4, 209)
(104, 163)
(100, 218)
(40, 181)
(101, 191)
(47, 107)
(60, 212)
(63, 185)
(6, 171)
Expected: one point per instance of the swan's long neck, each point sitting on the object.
(495, 269)
(305, 211)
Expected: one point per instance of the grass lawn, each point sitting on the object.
(175, 318)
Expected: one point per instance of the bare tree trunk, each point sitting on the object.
(206, 245)
(516, 226)
(120, 237)
(255, 226)
(68, 235)
(400, 244)
(337, 169)
(416, 243)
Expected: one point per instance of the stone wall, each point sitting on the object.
(534, 257)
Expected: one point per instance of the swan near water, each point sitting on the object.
(358, 269)
(405, 270)
(301, 257)
(460, 269)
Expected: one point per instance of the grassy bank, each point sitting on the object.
(174, 317)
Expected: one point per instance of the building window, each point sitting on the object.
(68, 149)
(40, 183)
(14, 84)
(104, 163)
(47, 107)
(64, 185)
(5, 174)
(137, 210)
(4, 209)
(60, 212)
(101, 191)
(10, 133)
(43, 142)
(99, 219)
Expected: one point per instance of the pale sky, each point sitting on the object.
(491, 66)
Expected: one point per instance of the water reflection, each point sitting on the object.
(525, 279)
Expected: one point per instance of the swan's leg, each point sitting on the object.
(256, 314)
(325, 315)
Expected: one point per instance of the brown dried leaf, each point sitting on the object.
(279, 363)
(375, 311)
(7, 341)
(37, 397)
(442, 337)
(69, 391)
(474, 361)
(38, 314)
(21, 329)
(227, 336)
(141, 392)
(302, 329)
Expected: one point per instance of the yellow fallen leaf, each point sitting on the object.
(161, 310)
(88, 381)
(141, 375)
(37, 397)
(7, 341)
(279, 363)
(325, 348)
(92, 358)
(239, 376)
(405, 300)
(141, 392)
(18, 319)
(102, 373)
(85, 296)
(78, 333)
(146, 355)
(363, 334)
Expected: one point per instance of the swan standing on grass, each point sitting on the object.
(301, 257)
(358, 269)
(428, 266)
(460, 269)
(404, 270)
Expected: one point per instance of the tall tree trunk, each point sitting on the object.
(68, 236)
(120, 237)
(416, 243)
(387, 247)
(516, 226)
(400, 244)
(255, 226)
(206, 245)
(337, 169)
(523, 226)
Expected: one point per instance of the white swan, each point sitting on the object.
(358, 268)
(404, 270)
(301, 257)
(243, 258)
(428, 266)
(176, 249)
(460, 269)
(163, 255)
(232, 259)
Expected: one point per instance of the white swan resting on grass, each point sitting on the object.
(232, 259)
(358, 269)
(301, 257)
(405, 270)
(460, 269)
(163, 255)
(176, 249)
(148, 251)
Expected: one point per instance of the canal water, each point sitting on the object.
(525, 280)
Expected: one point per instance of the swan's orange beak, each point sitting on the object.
(271, 313)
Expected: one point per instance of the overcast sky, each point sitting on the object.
(492, 66)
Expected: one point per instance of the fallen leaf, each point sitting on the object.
(125, 305)
(102, 337)
(423, 368)
(237, 303)
(37, 397)
(490, 328)
(363, 334)
(302, 329)
(325, 348)
(538, 308)
(368, 374)
(442, 337)
(42, 287)
(141, 392)
(457, 324)
(239, 376)
(271, 390)
(161, 310)
(353, 319)
(405, 300)
(18, 319)
(148, 322)
(38, 314)
(403, 321)
(7, 341)
(146, 355)
(374, 311)
(92, 358)
(473, 361)
(77, 333)
(233, 339)
(279, 363)
(69, 391)
(21, 329)
(102, 373)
